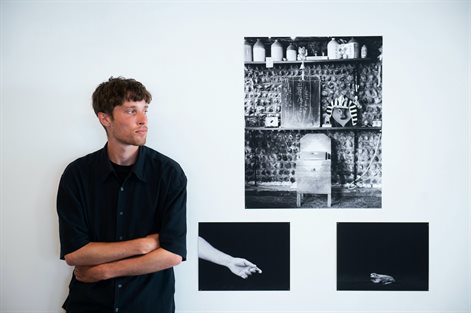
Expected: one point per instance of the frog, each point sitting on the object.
(382, 279)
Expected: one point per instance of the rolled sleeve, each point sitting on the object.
(173, 230)
(73, 231)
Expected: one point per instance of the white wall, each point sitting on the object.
(53, 54)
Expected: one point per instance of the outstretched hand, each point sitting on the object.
(242, 267)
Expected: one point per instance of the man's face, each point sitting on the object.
(128, 126)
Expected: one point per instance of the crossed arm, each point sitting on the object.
(104, 260)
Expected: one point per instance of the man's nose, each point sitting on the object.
(142, 118)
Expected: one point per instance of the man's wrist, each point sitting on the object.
(146, 245)
(106, 271)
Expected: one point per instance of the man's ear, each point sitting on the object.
(105, 119)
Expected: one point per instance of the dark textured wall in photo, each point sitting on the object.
(397, 250)
(265, 244)
(270, 156)
(263, 88)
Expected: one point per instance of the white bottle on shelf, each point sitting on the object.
(333, 49)
(291, 53)
(355, 49)
(258, 51)
(277, 51)
(247, 51)
(364, 51)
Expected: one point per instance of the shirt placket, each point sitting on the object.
(120, 236)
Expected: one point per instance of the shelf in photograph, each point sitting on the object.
(313, 61)
(318, 128)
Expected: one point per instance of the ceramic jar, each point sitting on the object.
(247, 52)
(277, 51)
(259, 51)
(364, 51)
(291, 53)
(355, 49)
(333, 49)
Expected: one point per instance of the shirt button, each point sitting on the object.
(116, 309)
(122, 188)
(121, 213)
(119, 286)
(120, 237)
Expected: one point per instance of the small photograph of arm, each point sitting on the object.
(244, 256)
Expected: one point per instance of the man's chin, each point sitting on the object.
(137, 143)
(140, 141)
(133, 142)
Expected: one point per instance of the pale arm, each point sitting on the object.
(157, 260)
(95, 253)
(238, 266)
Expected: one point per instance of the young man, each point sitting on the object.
(122, 212)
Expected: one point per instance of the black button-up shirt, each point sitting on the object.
(94, 206)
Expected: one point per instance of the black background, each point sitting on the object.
(265, 244)
(396, 249)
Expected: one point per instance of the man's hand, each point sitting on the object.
(90, 274)
(242, 267)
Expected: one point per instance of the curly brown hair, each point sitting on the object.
(116, 91)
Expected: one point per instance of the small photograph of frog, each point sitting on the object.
(383, 256)
(381, 279)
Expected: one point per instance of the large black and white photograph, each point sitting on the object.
(383, 256)
(244, 256)
(313, 122)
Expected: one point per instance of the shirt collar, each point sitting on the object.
(138, 168)
(105, 167)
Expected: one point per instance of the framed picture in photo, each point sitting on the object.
(244, 256)
(383, 256)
